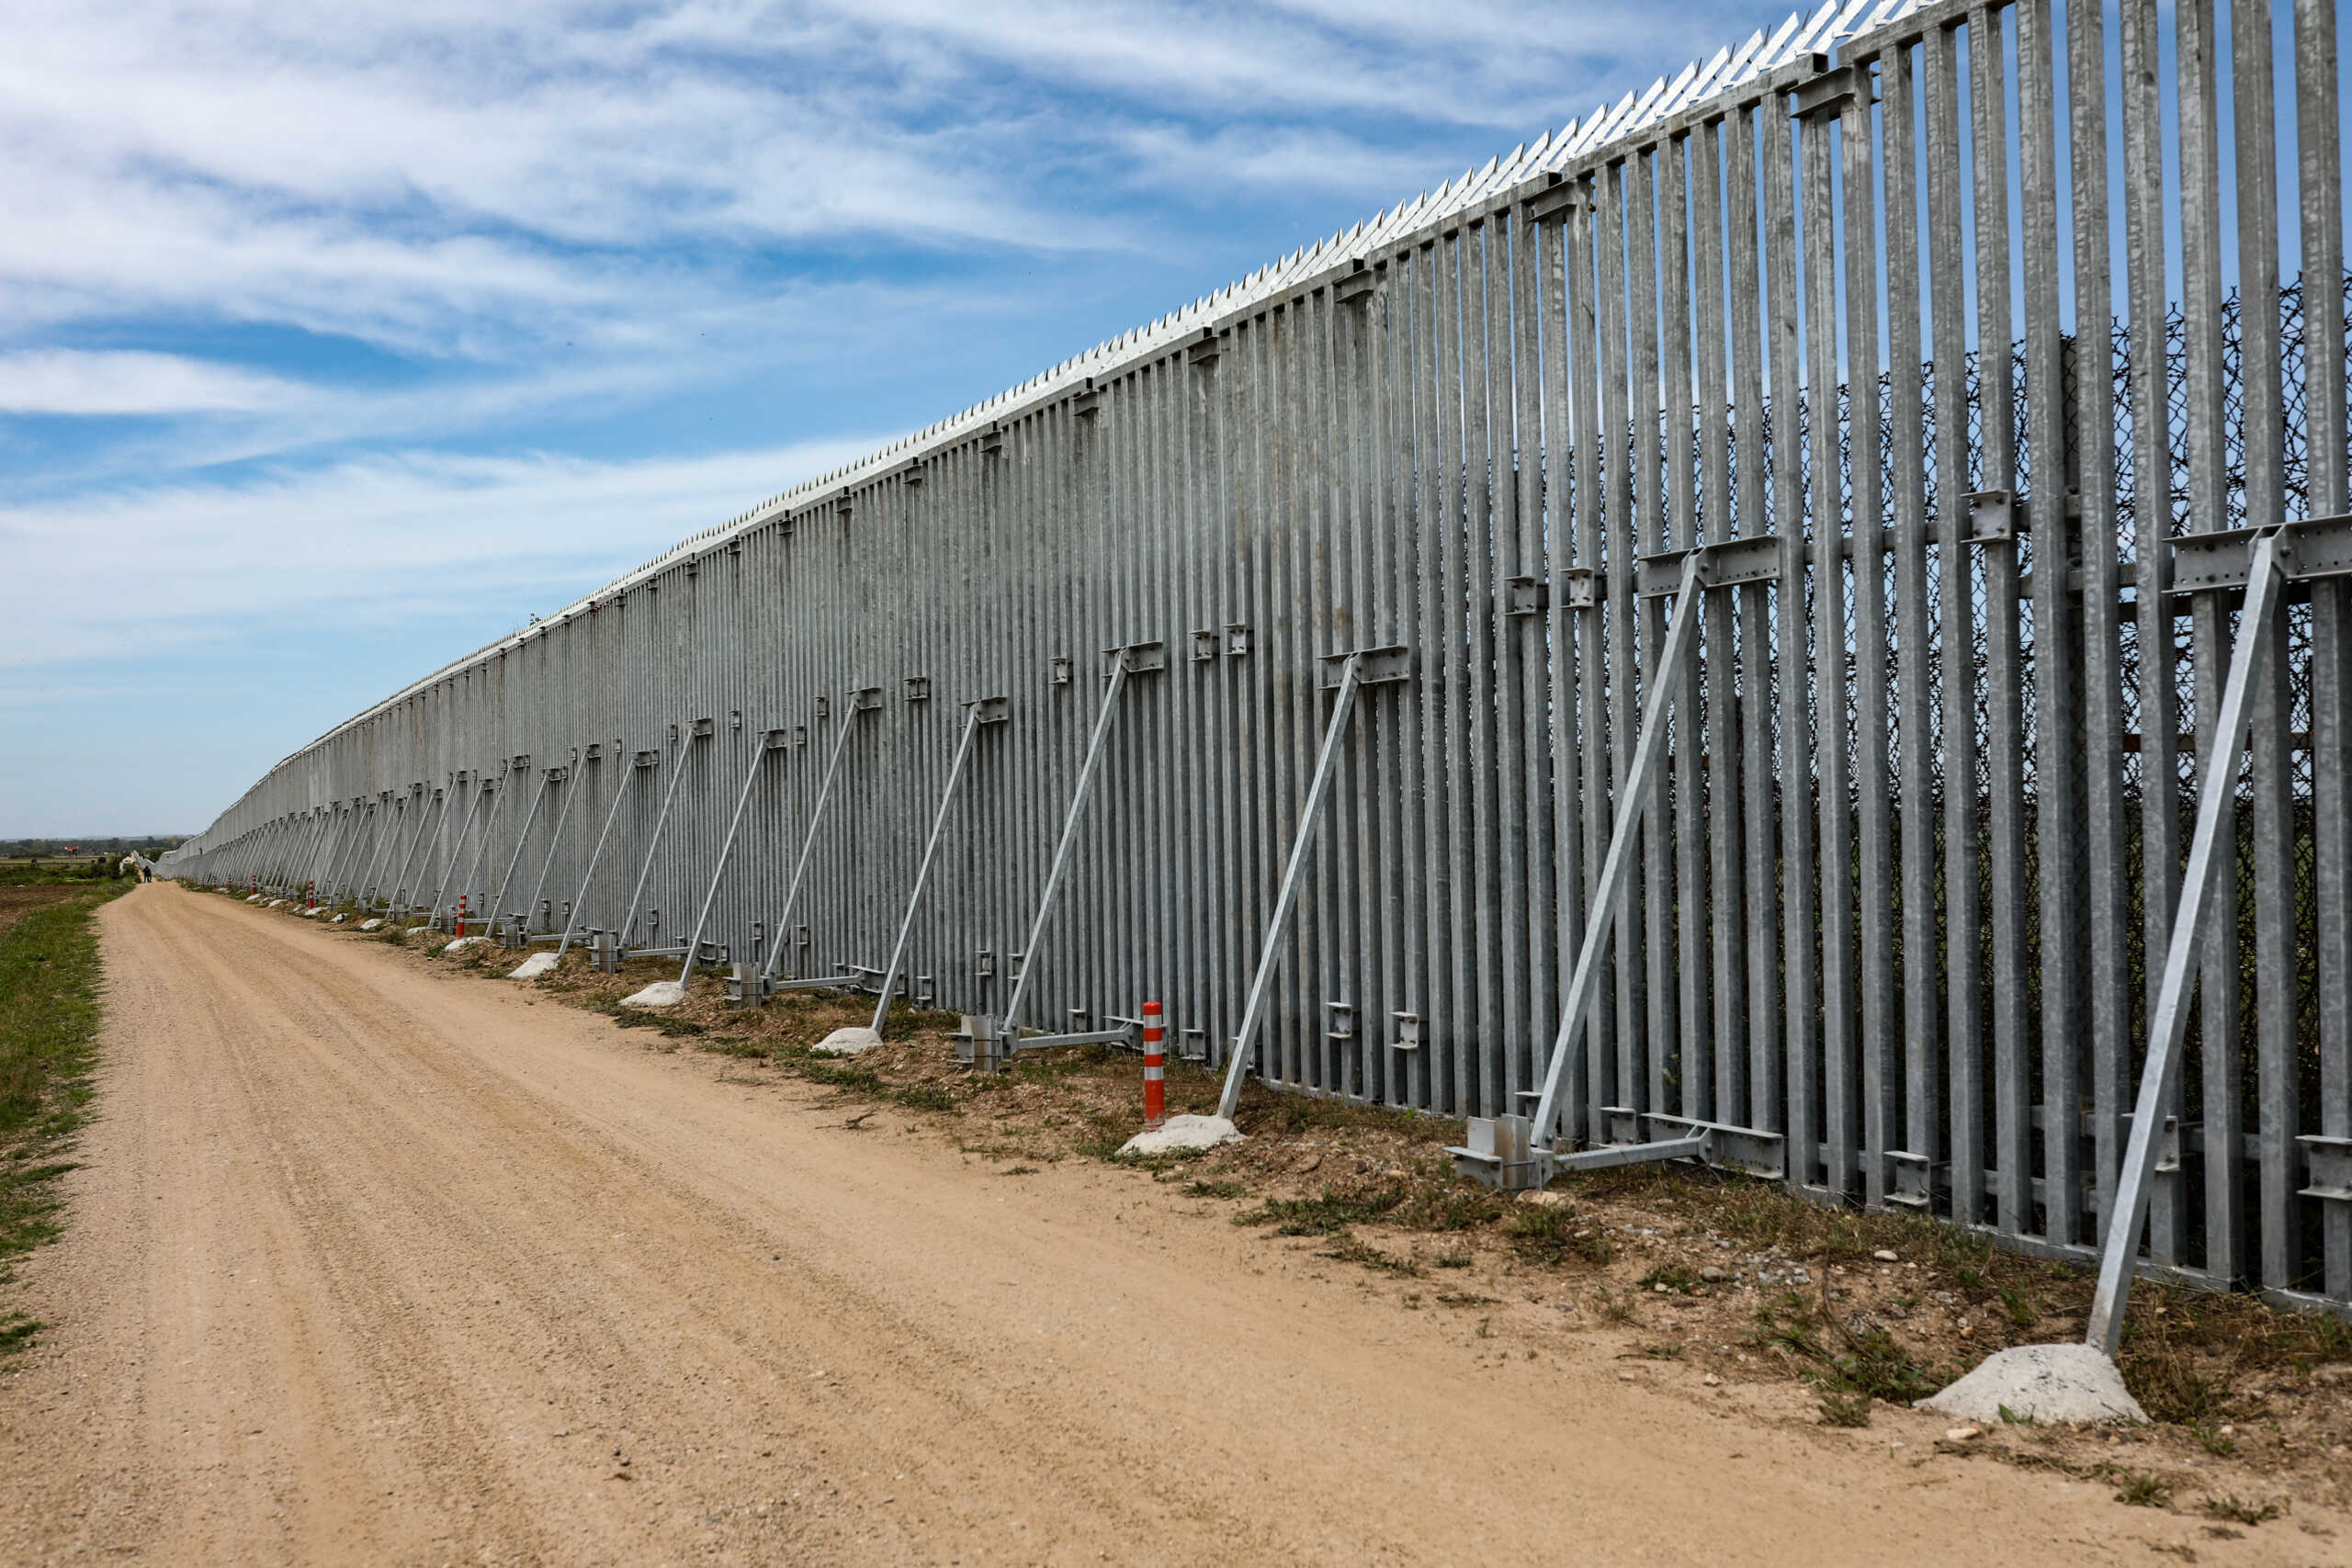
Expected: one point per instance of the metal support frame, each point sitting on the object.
(985, 710)
(772, 741)
(637, 764)
(2268, 553)
(653, 841)
(1479, 1157)
(497, 910)
(430, 802)
(862, 699)
(1133, 659)
(566, 776)
(1346, 673)
(473, 804)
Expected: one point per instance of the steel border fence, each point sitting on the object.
(1896, 910)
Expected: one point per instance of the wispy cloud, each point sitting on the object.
(127, 381)
(138, 571)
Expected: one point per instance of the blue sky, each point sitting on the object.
(337, 339)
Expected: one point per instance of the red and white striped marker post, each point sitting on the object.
(310, 902)
(461, 916)
(1154, 1068)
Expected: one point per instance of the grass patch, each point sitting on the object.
(50, 976)
(1680, 1278)
(2243, 1513)
(2142, 1489)
(1215, 1190)
(1345, 1249)
(1325, 1214)
(1845, 1408)
(1551, 1234)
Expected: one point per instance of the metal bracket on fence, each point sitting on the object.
(1994, 516)
(1132, 659)
(978, 712)
(2168, 1020)
(1913, 1186)
(1721, 565)
(1345, 673)
(2310, 547)
(862, 699)
(2329, 1162)
(1526, 595)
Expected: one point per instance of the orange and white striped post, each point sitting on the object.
(1154, 1068)
(462, 915)
(309, 901)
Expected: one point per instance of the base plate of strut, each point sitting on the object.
(1501, 1151)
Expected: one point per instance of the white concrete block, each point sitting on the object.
(1183, 1133)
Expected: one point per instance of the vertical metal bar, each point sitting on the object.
(2106, 979)
(2277, 1113)
(2004, 677)
(2151, 485)
(2319, 169)
(1874, 712)
(1827, 516)
(2058, 711)
(2208, 484)
(1799, 887)
(1907, 426)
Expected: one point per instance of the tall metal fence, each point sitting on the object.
(1925, 761)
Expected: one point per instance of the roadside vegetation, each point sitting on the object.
(49, 1006)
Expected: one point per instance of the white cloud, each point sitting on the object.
(71, 381)
(132, 573)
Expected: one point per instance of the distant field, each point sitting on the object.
(16, 903)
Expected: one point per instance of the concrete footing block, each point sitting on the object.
(372, 923)
(846, 1041)
(2039, 1383)
(1181, 1134)
(464, 943)
(531, 968)
(661, 994)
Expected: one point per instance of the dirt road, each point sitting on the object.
(376, 1266)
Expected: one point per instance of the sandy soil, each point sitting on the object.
(374, 1265)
